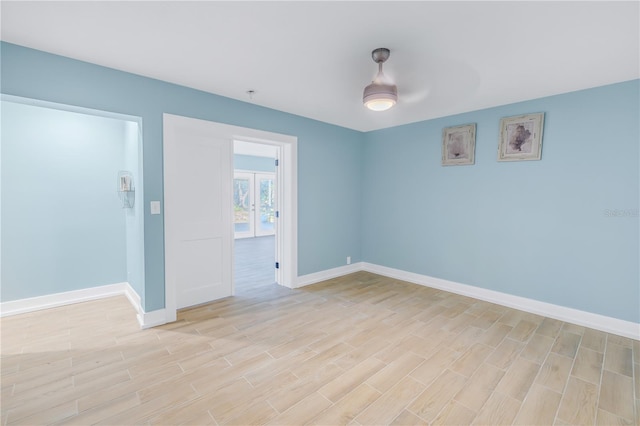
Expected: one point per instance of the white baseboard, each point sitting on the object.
(587, 319)
(152, 319)
(158, 317)
(133, 297)
(328, 274)
(48, 301)
(145, 319)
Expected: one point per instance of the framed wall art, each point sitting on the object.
(521, 137)
(459, 145)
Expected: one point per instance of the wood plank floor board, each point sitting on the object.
(359, 349)
(437, 395)
(619, 359)
(470, 360)
(505, 353)
(550, 327)
(616, 395)
(495, 334)
(387, 377)
(588, 365)
(407, 418)
(304, 411)
(258, 413)
(348, 407)
(538, 348)
(353, 377)
(555, 372)
(454, 413)
(285, 398)
(579, 403)
(539, 407)
(499, 410)
(518, 379)
(387, 407)
(479, 388)
(523, 330)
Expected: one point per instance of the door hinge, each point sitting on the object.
(277, 162)
(277, 265)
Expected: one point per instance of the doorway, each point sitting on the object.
(186, 142)
(256, 215)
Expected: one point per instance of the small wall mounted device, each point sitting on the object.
(126, 191)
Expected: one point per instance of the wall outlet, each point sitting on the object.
(348, 260)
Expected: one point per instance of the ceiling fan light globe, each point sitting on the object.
(380, 104)
(380, 97)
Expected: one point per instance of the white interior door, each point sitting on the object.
(198, 204)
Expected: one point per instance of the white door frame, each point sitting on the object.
(287, 177)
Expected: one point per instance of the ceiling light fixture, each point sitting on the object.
(380, 95)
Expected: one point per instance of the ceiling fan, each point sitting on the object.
(380, 95)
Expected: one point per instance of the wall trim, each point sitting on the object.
(587, 319)
(133, 297)
(328, 274)
(31, 304)
(158, 317)
(152, 319)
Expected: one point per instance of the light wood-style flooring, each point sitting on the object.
(254, 263)
(360, 349)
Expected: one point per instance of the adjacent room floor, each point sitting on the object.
(360, 349)
(254, 263)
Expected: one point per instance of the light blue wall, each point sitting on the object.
(328, 203)
(253, 163)
(62, 224)
(563, 230)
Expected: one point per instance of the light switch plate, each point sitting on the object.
(155, 207)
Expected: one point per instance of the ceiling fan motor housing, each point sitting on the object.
(380, 90)
(380, 95)
(380, 54)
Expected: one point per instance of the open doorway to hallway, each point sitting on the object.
(255, 203)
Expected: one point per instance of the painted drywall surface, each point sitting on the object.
(329, 167)
(563, 230)
(253, 163)
(134, 216)
(332, 185)
(63, 227)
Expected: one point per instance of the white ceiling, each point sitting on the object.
(314, 58)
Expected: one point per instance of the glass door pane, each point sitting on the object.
(266, 198)
(243, 205)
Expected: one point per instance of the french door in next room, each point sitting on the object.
(254, 204)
